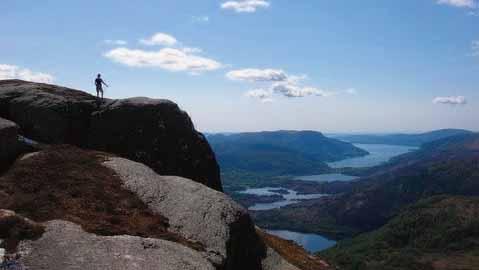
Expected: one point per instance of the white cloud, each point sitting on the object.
(167, 58)
(200, 19)
(257, 75)
(292, 90)
(265, 96)
(191, 50)
(248, 6)
(160, 39)
(452, 100)
(458, 3)
(174, 57)
(8, 72)
(475, 48)
(281, 83)
(117, 42)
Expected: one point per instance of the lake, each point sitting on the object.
(379, 153)
(291, 197)
(328, 177)
(311, 242)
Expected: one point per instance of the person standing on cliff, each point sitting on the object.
(99, 86)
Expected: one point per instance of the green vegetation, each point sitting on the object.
(280, 152)
(237, 180)
(436, 233)
(447, 167)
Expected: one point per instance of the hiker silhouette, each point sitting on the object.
(99, 86)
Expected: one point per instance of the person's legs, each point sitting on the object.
(99, 91)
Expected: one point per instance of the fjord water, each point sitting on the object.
(328, 177)
(379, 153)
(291, 197)
(311, 242)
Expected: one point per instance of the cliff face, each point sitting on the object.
(154, 132)
(8, 142)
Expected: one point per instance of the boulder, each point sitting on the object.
(287, 255)
(197, 213)
(65, 246)
(8, 141)
(155, 132)
(274, 261)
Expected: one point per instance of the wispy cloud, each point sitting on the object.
(292, 90)
(8, 72)
(451, 100)
(200, 19)
(475, 48)
(159, 39)
(248, 6)
(351, 91)
(458, 3)
(257, 75)
(117, 42)
(264, 95)
(278, 82)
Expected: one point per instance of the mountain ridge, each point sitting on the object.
(406, 139)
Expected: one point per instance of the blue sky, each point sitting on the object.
(247, 65)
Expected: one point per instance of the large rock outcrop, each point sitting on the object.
(197, 213)
(66, 246)
(155, 132)
(8, 141)
(98, 211)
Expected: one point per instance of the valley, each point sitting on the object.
(264, 192)
(448, 167)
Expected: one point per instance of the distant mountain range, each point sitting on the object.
(402, 139)
(280, 152)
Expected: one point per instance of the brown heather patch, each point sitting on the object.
(293, 253)
(67, 183)
(14, 228)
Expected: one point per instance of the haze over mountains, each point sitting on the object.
(403, 139)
